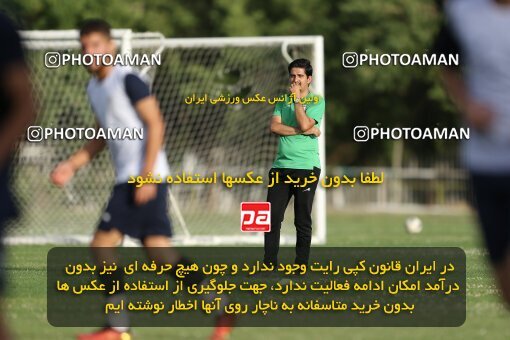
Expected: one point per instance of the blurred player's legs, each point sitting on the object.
(109, 238)
(103, 250)
(159, 249)
(492, 195)
(106, 333)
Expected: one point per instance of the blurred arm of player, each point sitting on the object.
(65, 170)
(277, 127)
(148, 110)
(477, 115)
(18, 86)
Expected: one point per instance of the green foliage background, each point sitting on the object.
(392, 96)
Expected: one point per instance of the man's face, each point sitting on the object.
(299, 77)
(96, 43)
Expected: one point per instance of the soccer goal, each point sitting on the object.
(200, 139)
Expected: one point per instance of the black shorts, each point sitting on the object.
(492, 201)
(7, 208)
(137, 221)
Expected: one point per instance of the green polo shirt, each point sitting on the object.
(299, 151)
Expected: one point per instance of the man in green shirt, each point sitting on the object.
(296, 121)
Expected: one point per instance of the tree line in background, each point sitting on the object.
(394, 96)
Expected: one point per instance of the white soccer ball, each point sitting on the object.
(414, 225)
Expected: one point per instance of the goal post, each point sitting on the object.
(200, 139)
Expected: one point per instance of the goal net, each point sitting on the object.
(200, 139)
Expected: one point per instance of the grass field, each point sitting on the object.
(487, 317)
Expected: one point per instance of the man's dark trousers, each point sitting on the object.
(279, 196)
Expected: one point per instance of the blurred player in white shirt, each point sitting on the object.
(121, 99)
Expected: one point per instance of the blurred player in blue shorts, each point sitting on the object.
(16, 112)
(121, 99)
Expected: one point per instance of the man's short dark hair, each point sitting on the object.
(95, 26)
(302, 63)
